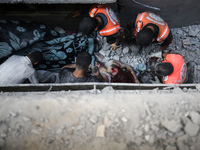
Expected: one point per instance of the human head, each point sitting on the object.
(88, 25)
(144, 37)
(35, 57)
(164, 69)
(83, 61)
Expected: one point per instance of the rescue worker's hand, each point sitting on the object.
(114, 46)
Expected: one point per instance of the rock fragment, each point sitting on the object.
(191, 129)
(171, 148)
(172, 125)
(182, 142)
(195, 117)
(93, 119)
(124, 119)
(2, 142)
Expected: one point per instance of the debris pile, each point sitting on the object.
(67, 120)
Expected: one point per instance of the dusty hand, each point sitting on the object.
(114, 46)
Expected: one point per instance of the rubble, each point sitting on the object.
(109, 119)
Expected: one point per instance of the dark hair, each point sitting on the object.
(83, 60)
(88, 25)
(36, 56)
(164, 69)
(144, 37)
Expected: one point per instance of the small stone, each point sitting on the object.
(193, 148)
(126, 50)
(195, 117)
(191, 129)
(124, 119)
(187, 42)
(179, 31)
(194, 31)
(182, 142)
(108, 89)
(171, 148)
(173, 126)
(3, 129)
(177, 90)
(154, 128)
(94, 119)
(147, 137)
(34, 131)
(13, 114)
(186, 29)
(3, 135)
(152, 140)
(116, 57)
(138, 133)
(123, 110)
(146, 128)
(138, 141)
(2, 142)
(26, 119)
(107, 121)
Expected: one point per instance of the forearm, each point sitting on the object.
(166, 42)
(119, 38)
(69, 66)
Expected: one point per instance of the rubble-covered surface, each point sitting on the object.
(122, 120)
(186, 41)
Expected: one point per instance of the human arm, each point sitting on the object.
(166, 42)
(33, 78)
(118, 41)
(69, 66)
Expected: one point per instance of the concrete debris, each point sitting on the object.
(193, 30)
(195, 117)
(172, 125)
(187, 41)
(182, 142)
(170, 148)
(94, 119)
(124, 119)
(191, 129)
(2, 142)
(138, 141)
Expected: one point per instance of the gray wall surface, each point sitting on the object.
(176, 13)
